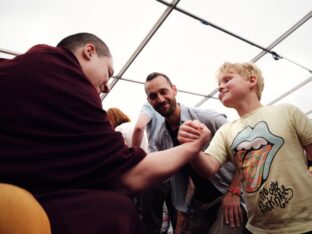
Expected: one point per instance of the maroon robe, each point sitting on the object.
(56, 142)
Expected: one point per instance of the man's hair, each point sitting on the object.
(78, 40)
(245, 70)
(116, 117)
(153, 75)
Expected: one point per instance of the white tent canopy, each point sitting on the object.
(187, 40)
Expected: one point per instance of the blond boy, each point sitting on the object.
(269, 145)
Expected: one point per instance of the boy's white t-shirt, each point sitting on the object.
(266, 146)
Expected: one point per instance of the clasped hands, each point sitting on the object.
(194, 131)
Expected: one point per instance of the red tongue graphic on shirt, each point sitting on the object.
(252, 162)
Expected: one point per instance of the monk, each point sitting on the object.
(56, 141)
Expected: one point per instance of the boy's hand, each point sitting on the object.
(191, 131)
(232, 211)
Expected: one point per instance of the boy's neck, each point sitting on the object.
(248, 107)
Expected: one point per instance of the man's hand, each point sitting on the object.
(182, 222)
(233, 214)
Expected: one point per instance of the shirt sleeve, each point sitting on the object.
(302, 125)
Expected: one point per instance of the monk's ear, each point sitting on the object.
(88, 51)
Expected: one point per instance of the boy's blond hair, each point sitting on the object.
(245, 70)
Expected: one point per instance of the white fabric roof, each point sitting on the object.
(152, 35)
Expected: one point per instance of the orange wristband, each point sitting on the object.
(235, 191)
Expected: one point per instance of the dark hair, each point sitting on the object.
(153, 75)
(78, 40)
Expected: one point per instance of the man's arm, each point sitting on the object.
(182, 217)
(308, 151)
(138, 131)
(158, 166)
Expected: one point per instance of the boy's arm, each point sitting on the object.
(233, 214)
(204, 164)
(138, 131)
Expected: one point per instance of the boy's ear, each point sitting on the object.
(253, 80)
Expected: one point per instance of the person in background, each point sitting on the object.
(57, 142)
(122, 123)
(215, 208)
(156, 200)
(269, 146)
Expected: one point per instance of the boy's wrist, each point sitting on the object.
(235, 191)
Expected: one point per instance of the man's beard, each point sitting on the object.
(171, 109)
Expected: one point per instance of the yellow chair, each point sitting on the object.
(20, 213)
